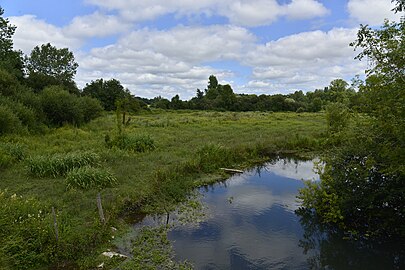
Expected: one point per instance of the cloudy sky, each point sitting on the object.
(168, 47)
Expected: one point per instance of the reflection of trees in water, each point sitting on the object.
(330, 249)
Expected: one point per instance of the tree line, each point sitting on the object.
(222, 97)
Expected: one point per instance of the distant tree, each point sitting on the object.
(212, 90)
(56, 66)
(107, 92)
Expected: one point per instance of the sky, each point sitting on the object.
(169, 47)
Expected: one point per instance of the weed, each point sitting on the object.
(59, 164)
(139, 143)
(89, 177)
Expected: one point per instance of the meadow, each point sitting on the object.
(147, 165)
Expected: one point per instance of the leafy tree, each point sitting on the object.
(56, 66)
(107, 92)
(10, 60)
(362, 189)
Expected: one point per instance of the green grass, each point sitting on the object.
(60, 164)
(89, 177)
(189, 149)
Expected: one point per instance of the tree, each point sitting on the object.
(47, 62)
(10, 60)
(362, 186)
(107, 92)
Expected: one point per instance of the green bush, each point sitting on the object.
(10, 153)
(60, 107)
(134, 143)
(90, 108)
(59, 164)
(337, 117)
(89, 177)
(9, 121)
(26, 115)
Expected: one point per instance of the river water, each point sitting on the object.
(250, 222)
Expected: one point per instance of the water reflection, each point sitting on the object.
(334, 251)
(251, 222)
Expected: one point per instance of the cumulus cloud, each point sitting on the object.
(96, 25)
(151, 61)
(304, 60)
(372, 12)
(32, 31)
(241, 12)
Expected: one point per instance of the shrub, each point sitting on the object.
(138, 143)
(60, 106)
(59, 164)
(9, 122)
(89, 177)
(26, 115)
(90, 108)
(337, 117)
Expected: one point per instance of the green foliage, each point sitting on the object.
(27, 241)
(109, 92)
(213, 156)
(11, 153)
(60, 164)
(337, 117)
(362, 189)
(50, 61)
(9, 121)
(133, 143)
(89, 177)
(90, 108)
(61, 107)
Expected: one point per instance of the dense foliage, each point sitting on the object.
(362, 188)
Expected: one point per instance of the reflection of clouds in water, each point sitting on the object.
(256, 200)
(250, 221)
(294, 170)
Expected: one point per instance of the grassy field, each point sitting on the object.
(147, 167)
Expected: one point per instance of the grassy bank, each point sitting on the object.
(148, 167)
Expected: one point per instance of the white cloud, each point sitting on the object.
(31, 32)
(304, 61)
(152, 62)
(96, 25)
(305, 9)
(241, 12)
(372, 12)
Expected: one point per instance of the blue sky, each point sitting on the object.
(168, 47)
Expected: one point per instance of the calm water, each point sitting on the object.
(250, 223)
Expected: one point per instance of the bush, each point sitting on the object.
(139, 143)
(89, 177)
(60, 106)
(337, 117)
(90, 108)
(26, 115)
(9, 122)
(59, 164)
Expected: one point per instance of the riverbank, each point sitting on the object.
(180, 151)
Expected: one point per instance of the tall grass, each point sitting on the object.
(59, 164)
(89, 177)
(133, 143)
